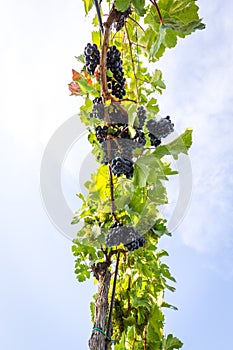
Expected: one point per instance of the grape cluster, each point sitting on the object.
(101, 133)
(121, 166)
(137, 243)
(119, 24)
(126, 148)
(98, 108)
(161, 128)
(139, 138)
(154, 140)
(92, 57)
(141, 114)
(124, 234)
(116, 115)
(110, 150)
(114, 63)
(120, 144)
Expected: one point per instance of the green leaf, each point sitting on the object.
(141, 173)
(155, 325)
(129, 321)
(169, 306)
(171, 343)
(122, 5)
(88, 5)
(96, 38)
(152, 106)
(180, 18)
(170, 39)
(174, 148)
(155, 49)
(139, 6)
(80, 58)
(136, 302)
(85, 87)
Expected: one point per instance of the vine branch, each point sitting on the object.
(132, 60)
(113, 15)
(112, 303)
(158, 10)
(99, 16)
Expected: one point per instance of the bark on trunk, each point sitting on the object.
(102, 273)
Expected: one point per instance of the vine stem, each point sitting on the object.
(99, 16)
(132, 60)
(103, 68)
(158, 10)
(132, 19)
(109, 325)
(112, 192)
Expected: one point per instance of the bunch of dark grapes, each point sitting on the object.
(111, 150)
(141, 114)
(154, 141)
(139, 138)
(121, 145)
(92, 57)
(122, 166)
(98, 108)
(101, 133)
(137, 243)
(122, 130)
(124, 234)
(114, 63)
(119, 24)
(161, 128)
(116, 115)
(126, 147)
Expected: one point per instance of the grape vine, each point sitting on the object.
(121, 221)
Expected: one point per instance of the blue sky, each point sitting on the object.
(41, 304)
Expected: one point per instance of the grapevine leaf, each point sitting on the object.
(96, 37)
(170, 39)
(179, 19)
(169, 306)
(139, 6)
(85, 87)
(122, 5)
(88, 5)
(152, 106)
(154, 50)
(174, 148)
(155, 324)
(141, 302)
(172, 343)
(141, 172)
(80, 58)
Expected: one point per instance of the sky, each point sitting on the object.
(42, 306)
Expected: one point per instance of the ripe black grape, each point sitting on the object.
(116, 115)
(119, 24)
(126, 235)
(114, 63)
(92, 57)
(121, 145)
(110, 149)
(98, 108)
(137, 243)
(101, 133)
(154, 141)
(160, 129)
(139, 138)
(121, 166)
(141, 114)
